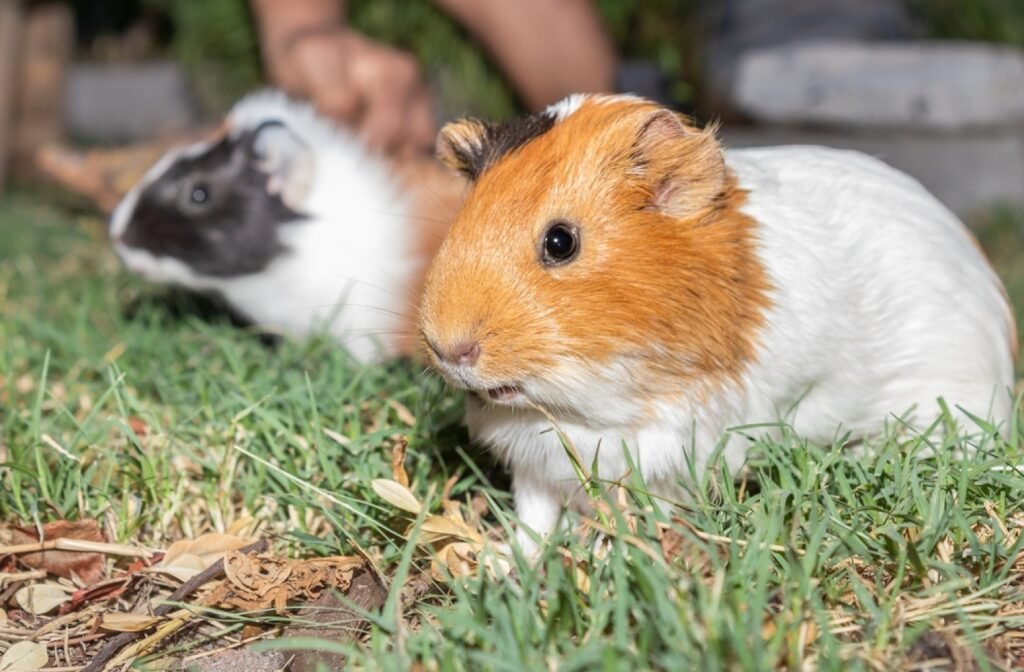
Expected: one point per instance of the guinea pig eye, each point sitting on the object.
(200, 194)
(561, 244)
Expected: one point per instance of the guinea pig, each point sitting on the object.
(294, 224)
(615, 273)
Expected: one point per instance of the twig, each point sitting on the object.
(222, 649)
(743, 543)
(18, 577)
(214, 571)
(52, 443)
(81, 545)
(175, 621)
(76, 641)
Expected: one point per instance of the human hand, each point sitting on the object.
(374, 89)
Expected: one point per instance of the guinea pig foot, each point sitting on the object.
(528, 544)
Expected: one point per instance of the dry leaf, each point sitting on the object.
(340, 439)
(398, 462)
(243, 527)
(435, 528)
(454, 560)
(461, 559)
(259, 581)
(105, 590)
(582, 579)
(89, 567)
(396, 495)
(403, 413)
(184, 566)
(41, 598)
(24, 655)
(188, 557)
(139, 426)
(25, 384)
(119, 622)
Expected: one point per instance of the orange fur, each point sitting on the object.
(435, 194)
(667, 282)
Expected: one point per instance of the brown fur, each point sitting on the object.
(667, 282)
(436, 195)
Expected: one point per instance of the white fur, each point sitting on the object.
(882, 304)
(565, 108)
(349, 266)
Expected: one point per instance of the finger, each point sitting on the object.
(325, 65)
(421, 129)
(382, 126)
(342, 104)
(386, 79)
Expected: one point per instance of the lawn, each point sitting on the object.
(152, 414)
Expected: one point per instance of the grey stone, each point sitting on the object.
(734, 27)
(125, 102)
(930, 86)
(970, 173)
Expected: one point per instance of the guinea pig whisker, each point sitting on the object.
(427, 218)
(360, 306)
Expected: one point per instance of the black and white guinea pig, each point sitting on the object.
(294, 224)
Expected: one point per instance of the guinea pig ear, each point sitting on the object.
(460, 146)
(683, 166)
(286, 159)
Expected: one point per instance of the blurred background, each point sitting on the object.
(935, 87)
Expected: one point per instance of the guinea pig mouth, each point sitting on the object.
(503, 393)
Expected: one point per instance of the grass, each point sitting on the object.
(121, 402)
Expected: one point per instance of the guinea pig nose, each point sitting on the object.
(465, 353)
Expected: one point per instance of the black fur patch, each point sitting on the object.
(229, 229)
(499, 139)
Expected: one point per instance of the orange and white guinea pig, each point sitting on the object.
(615, 267)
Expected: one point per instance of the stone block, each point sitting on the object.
(125, 102)
(924, 86)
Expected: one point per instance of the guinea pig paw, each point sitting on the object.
(528, 545)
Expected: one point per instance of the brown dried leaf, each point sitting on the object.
(460, 559)
(139, 426)
(582, 579)
(436, 528)
(396, 495)
(403, 413)
(24, 655)
(41, 598)
(104, 590)
(456, 560)
(188, 557)
(254, 574)
(338, 438)
(25, 384)
(259, 581)
(115, 621)
(89, 567)
(398, 462)
(184, 566)
(243, 527)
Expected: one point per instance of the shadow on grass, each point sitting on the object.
(173, 306)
